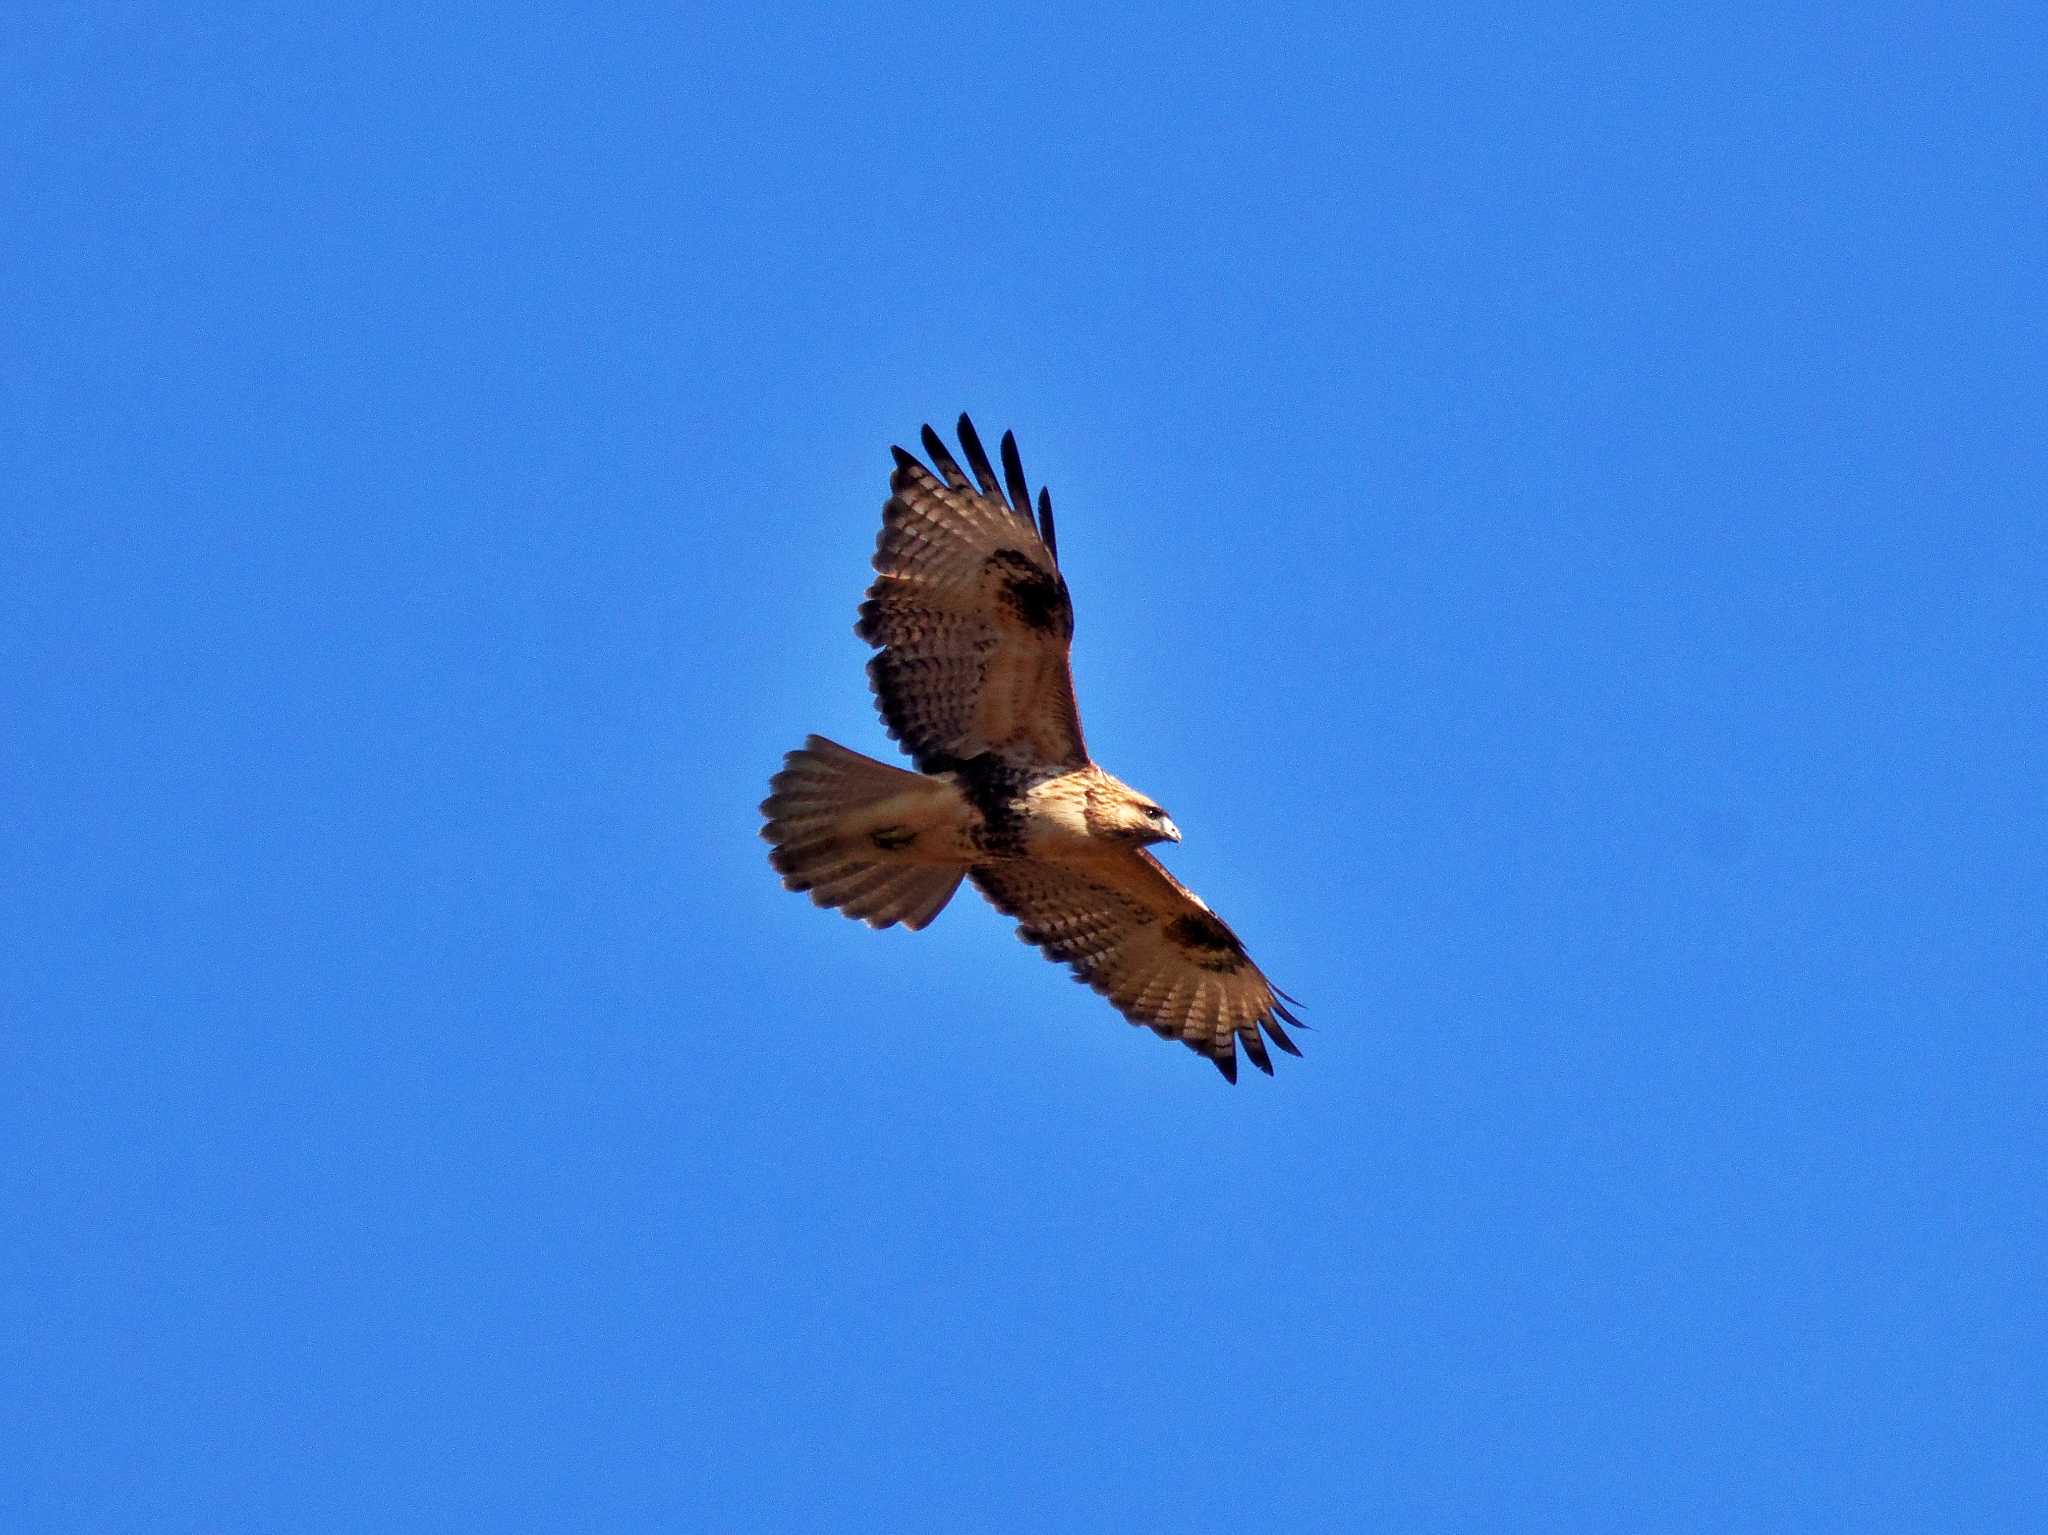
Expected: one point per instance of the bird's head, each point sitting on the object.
(1137, 819)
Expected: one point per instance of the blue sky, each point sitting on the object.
(1552, 498)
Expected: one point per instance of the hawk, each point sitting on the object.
(972, 624)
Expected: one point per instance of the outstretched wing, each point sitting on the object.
(1145, 941)
(971, 615)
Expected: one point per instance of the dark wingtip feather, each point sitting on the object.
(941, 456)
(1280, 1010)
(1052, 544)
(1255, 1047)
(977, 457)
(1272, 1027)
(904, 458)
(1227, 1064)
(1013, 477)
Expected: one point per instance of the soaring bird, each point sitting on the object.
(973, 627)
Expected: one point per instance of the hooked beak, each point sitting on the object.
(1170, 831)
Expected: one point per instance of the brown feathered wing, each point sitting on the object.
(1149, 944)
(972, 615)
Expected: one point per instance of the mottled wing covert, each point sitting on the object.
(1148, 943)
(971, 615)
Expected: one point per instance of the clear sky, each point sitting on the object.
(1553, 501)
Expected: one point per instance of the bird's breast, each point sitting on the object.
(1056, 816)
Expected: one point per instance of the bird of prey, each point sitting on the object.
(972, 624)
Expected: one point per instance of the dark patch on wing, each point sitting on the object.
(890, 838)
(1037, 598)
(1208, 941)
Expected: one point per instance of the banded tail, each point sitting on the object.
(863, 836)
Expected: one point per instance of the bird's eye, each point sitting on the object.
(1154, 813)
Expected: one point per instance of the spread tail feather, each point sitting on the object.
(845, 827)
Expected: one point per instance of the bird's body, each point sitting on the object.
(973, 624)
